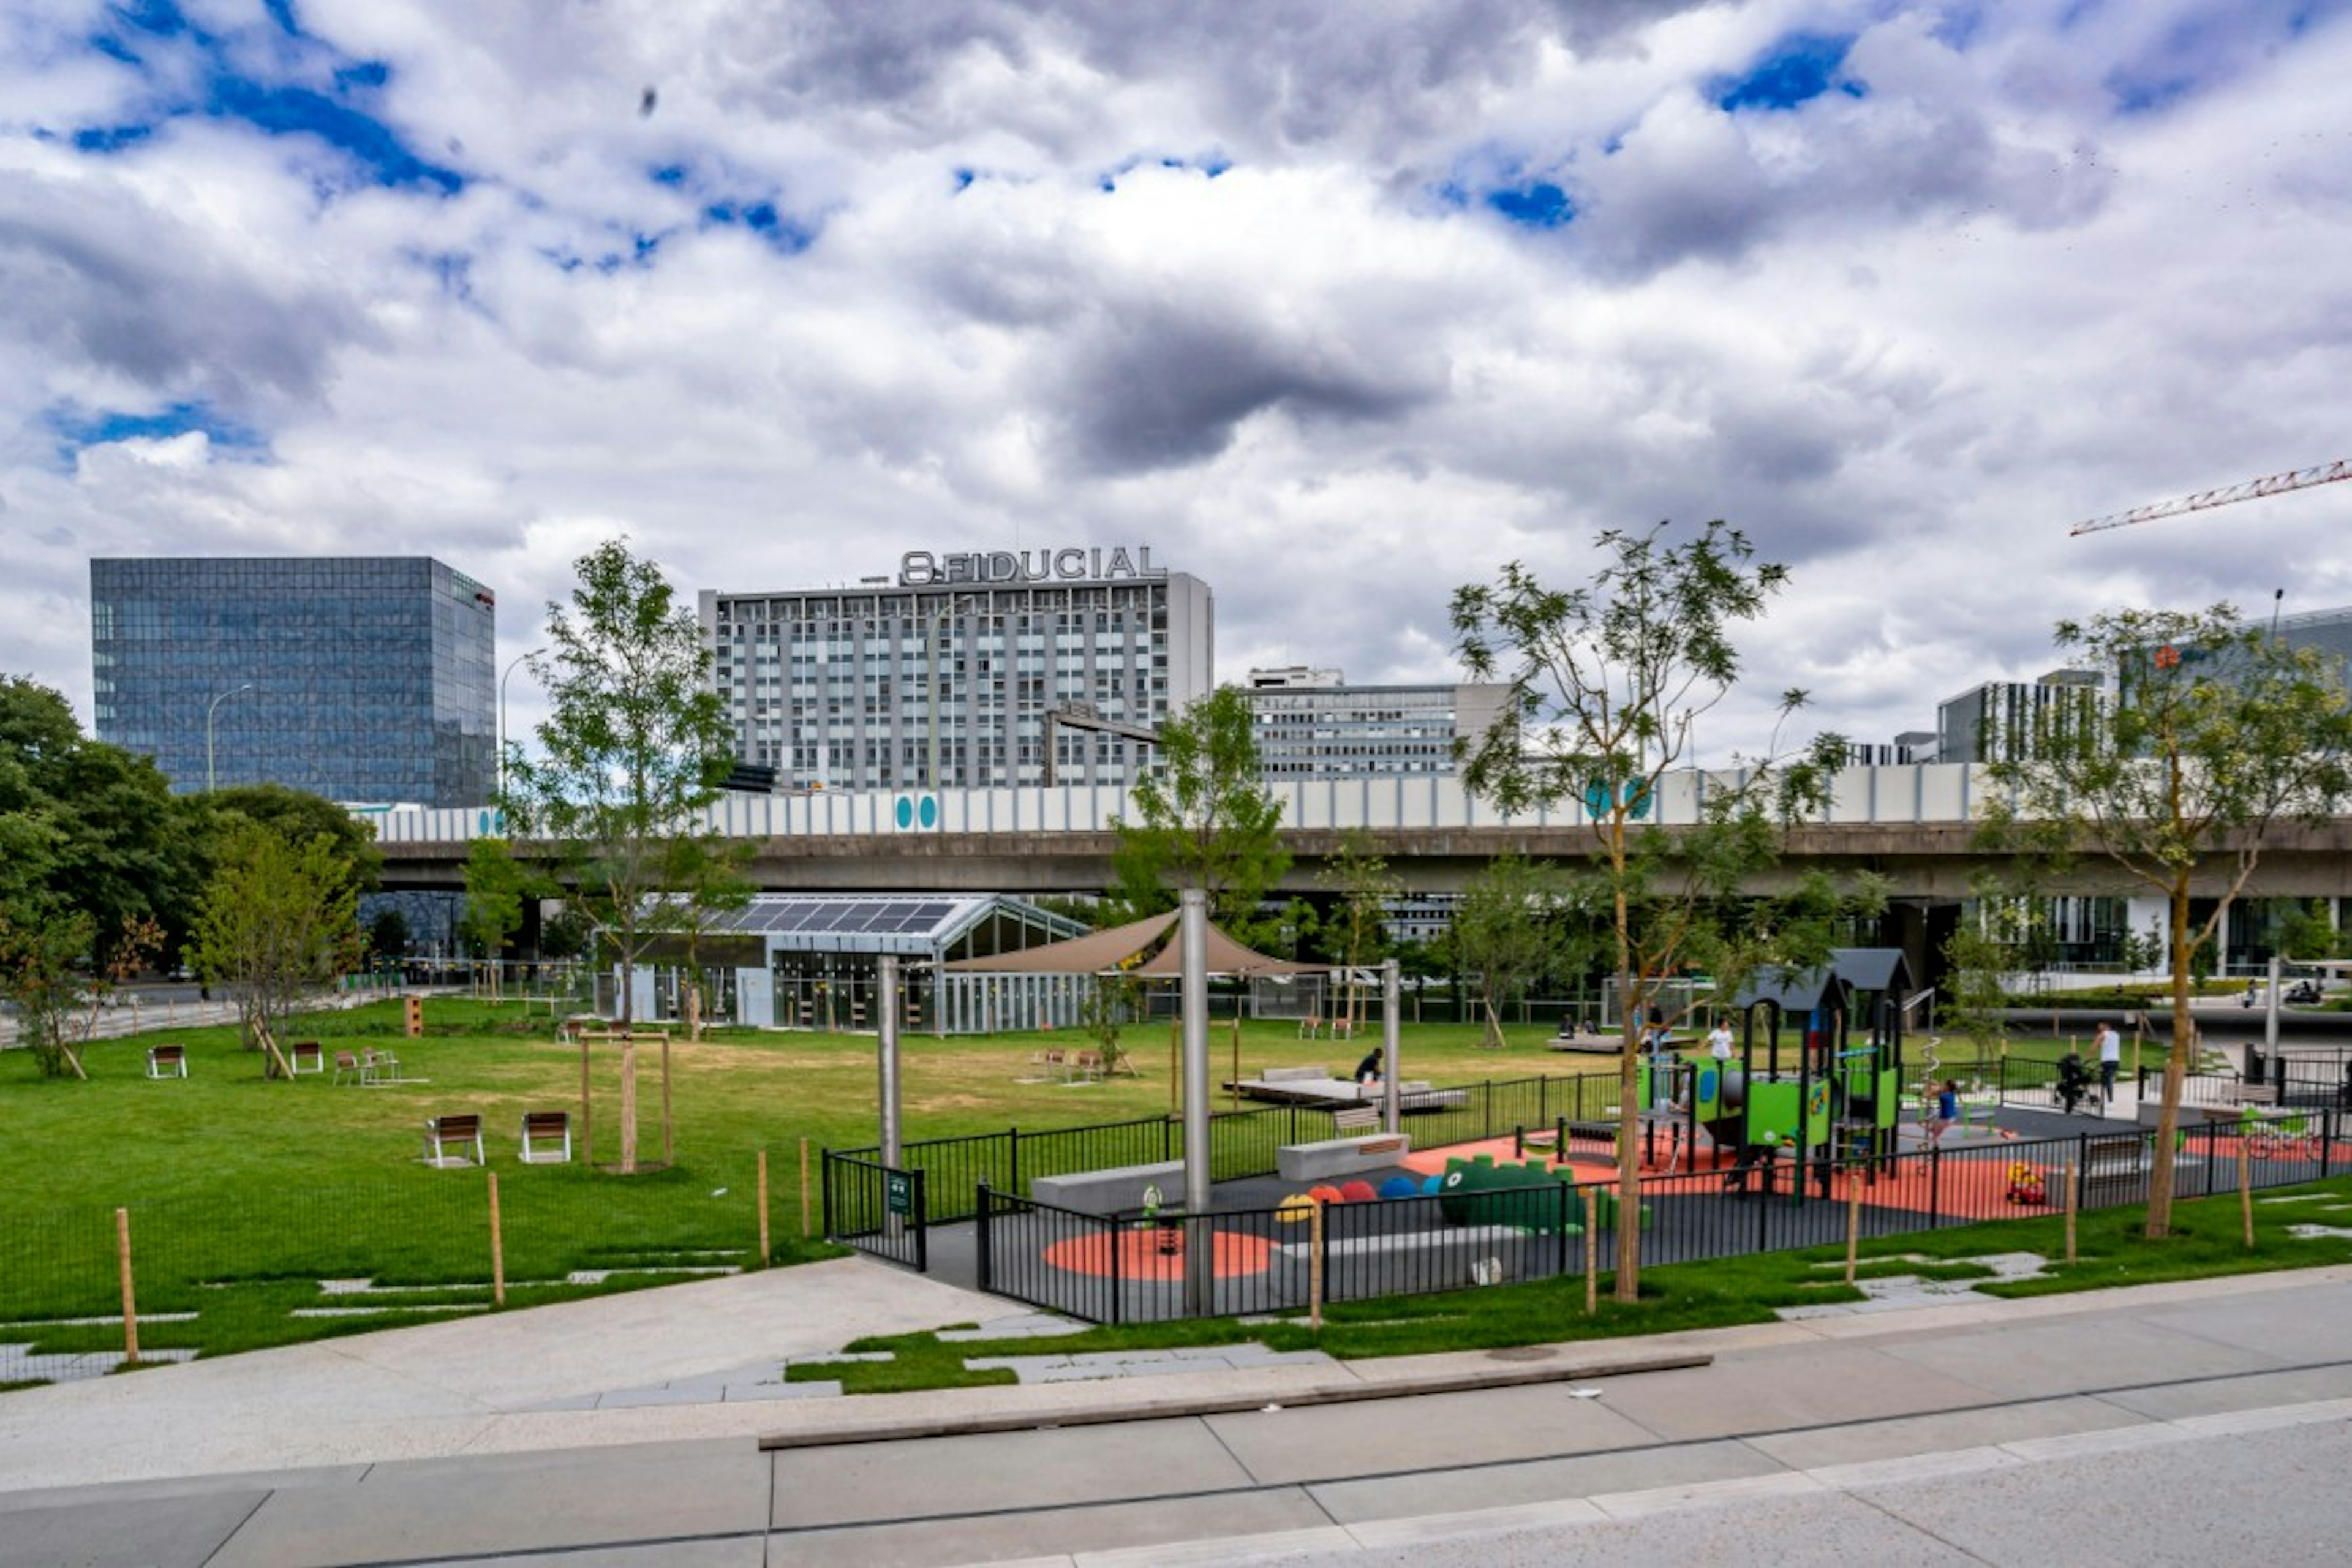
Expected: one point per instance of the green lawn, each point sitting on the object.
(245, 1194)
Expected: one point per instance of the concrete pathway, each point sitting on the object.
(438, 1443)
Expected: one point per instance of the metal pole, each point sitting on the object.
(887, 979)
(2271, 1025)
(1193, 950)
(210, 708)
(502, 716)
(1392, 1027)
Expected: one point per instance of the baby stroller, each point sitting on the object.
(2076, 1081)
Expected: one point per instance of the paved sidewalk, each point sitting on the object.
(438, 1444)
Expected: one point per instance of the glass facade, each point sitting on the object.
(360, 678)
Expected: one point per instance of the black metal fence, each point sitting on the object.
(1125, 1269)
(877, 1209)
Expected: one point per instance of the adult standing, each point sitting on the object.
(2111, 1058)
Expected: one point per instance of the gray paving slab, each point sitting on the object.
(1536, 1481)
(1787, 1386)
(2312, 1326)
(2173, 1402)
(1020, 1470)
(484, 1505)
(133, 1532)
(255, 1481)
(2064, 1355)
(1941, 1432)
(1059, 1534)
(732, 1551)
(1334, 1441)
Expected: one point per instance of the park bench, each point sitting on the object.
(1115, 1191)
(543, 1128)
(167, 1062)
(1455, 1255)
(306, 1051)
(1354, 1120)
(2243, 1094)
(380, 1066)
(347, 1065)
(458, 1131)
(2115, 1170)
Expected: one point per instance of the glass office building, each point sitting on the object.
(360, 678)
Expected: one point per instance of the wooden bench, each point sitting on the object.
(458, 1131)
(2115, 1170)
(1353, 1120)
(167, 1062)
(348, 1066)
(310, 1051)
(380, 1066)
(2244, 1094)
(547, 1127)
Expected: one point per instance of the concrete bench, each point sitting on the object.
(1294, 1074)
(1112, 1192)
(1340, 1156)
(1418, 1259)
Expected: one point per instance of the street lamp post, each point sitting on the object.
(210, 708)
(502, 716)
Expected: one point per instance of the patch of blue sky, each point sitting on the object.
(77, 429)
(671, 175)
(110, 138)
(1796, 70)
(637, 252)
(1208, 166)
(964, 177)
(1537, 205)
(339, 115)
(779, 230)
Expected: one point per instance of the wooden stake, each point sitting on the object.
(1234, 1089)
(1315, 1268)
(2246, 1189)
(498, 1249)
(587, 1127)
(1853, 1224)
(2073, 1203)
(130, 1296)
(1592, 1252)
(764, 1252)
(666, 1156)
(804, 1191)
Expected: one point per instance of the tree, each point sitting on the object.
(2305, 933)
(276, 918)
(1356, 932)
(1207, 819)
(84, 827)
(1513, 927)
(496, 886)
(387, 937)
(2217, 734)
(1605, 684)
(633, 750)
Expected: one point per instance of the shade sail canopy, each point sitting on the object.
(1102, 952)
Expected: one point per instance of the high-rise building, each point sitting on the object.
(1311, 724)
(944, 674)
(360, 678)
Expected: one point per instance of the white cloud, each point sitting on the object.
(2040, 268)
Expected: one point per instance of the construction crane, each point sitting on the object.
(2203, 501)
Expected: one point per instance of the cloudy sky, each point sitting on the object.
(1337, 306)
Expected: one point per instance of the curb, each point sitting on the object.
(903, 1428)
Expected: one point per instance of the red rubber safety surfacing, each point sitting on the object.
(1141, 1256)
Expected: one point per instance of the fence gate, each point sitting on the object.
(877, 1209)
